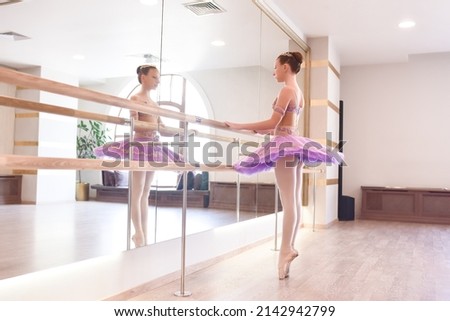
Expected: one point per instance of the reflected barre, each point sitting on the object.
(25, 162)
(69, 112)
(138, 124)
(34, 82)
(58, 110)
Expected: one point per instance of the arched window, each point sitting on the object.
(177, 93)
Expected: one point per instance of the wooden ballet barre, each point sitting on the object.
(24, 162)
(312, 170)
(179, 131)
(57, 110)
(30, 81)
(69, 112)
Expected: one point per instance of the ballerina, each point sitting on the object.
(143, 149)
(286, 152)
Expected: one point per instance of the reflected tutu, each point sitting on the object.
(308, 151)
(142, 149)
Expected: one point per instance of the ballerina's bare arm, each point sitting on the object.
(265, 126)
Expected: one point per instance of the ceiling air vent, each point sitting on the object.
(5, 2)
(10, 35)
(201, 8)
(147, 57)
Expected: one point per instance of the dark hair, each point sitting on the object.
(293, 58)
(143, 70)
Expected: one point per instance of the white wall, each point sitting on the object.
(397, 124)
(57, 138)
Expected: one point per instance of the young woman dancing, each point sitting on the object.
(286, 152)
(143, 150)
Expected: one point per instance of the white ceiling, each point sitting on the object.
(111, 34)
(366, 31)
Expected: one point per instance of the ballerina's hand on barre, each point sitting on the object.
(233, 125)
(244, 127)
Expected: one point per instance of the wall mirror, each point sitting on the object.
(216, 60)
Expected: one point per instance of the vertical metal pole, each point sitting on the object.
(314, 201)
(130, 182)
(238, 191)
(156, 208)
(275, 246)
(238, 197)
(183, 292)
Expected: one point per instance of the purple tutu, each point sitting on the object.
(308, 151)
(142, 149)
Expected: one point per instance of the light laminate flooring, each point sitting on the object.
(37, 237)
(356, 260)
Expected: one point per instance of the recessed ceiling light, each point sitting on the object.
(78, 57)
(149, 2)
(406, 24)
(218, 43)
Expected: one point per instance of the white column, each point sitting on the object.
(47, 135)
(7, 116)
(324, 123)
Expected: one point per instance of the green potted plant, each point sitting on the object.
(91, 134)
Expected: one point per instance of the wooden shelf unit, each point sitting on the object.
(10, 189)
(195, 198)
(221, 195)
(253, 197)
(422, 205)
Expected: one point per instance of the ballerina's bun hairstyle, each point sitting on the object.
(293, 58)
(143, 70)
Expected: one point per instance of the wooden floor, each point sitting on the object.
(356, 260)
(37, 237)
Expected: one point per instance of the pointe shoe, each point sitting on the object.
(137, 242)
(289, 265)
(284, 265)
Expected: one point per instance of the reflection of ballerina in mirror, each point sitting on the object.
(143, 150)
(286, 152)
